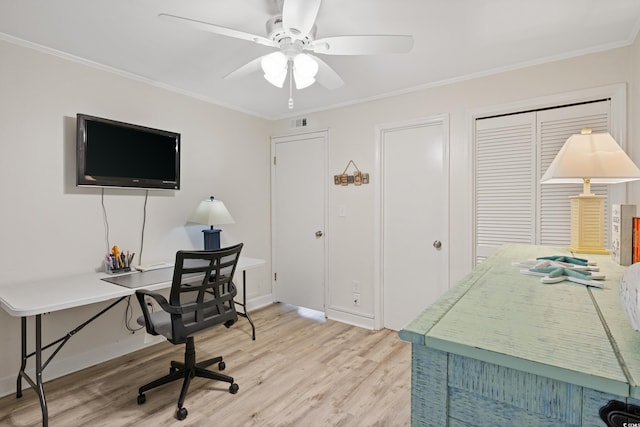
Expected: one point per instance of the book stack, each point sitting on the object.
(625, 234)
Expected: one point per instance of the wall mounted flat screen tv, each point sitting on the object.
(116, 154)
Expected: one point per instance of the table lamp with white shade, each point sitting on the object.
(211, 212)
(589, 158)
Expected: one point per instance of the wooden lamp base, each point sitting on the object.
(587, 224)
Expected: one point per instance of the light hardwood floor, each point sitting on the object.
(302, 370)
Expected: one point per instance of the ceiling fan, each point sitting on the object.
(293, 34)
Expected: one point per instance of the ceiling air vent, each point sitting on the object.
(299, 123)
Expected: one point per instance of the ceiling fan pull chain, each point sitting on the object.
(290, 85)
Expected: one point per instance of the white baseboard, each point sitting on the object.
(334, 313)
(259, 302)
(343, 316)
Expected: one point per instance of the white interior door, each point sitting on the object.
(414, 218)
(299, 180)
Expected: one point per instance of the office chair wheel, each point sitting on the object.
(141, 399)
(181, 413)
(221, 366)
(233, 389)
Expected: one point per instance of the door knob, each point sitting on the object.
(437, 244)
(319, 233)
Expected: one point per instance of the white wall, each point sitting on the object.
(49, 227)
(352, 137)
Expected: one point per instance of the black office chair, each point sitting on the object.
(201, 297)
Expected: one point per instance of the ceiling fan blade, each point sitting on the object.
(248, 68)
(299, 16)
(326, 76)
(362, 45)
(217, 29)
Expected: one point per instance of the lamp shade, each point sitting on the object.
(211, 212)
(593, 156)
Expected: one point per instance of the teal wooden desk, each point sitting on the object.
(502, 349)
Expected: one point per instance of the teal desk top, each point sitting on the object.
(564, 331)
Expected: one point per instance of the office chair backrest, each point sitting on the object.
(203, 287)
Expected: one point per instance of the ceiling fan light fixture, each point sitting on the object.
(303, 81)
(276, 80)
(305, 69)
(305, 65)
(274, 66)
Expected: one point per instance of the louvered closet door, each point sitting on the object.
(512, 153)
(554, 127)
(504, 188)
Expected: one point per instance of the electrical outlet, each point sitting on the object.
(356, 299)
(355, 286)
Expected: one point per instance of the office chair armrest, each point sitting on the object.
(161, 300)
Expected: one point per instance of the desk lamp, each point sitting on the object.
(211, 212)
(588, 158)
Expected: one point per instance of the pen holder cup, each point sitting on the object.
(110, 270)
(118, 262)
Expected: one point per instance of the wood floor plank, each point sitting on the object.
(302, 370)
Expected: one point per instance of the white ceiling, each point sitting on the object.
(453, 40)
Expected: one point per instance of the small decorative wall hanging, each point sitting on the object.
(358, 178)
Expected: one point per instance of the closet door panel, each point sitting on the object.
(504, 189)
(554, 127)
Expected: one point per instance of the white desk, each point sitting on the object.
(46, 296)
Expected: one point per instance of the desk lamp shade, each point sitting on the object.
(211, 212)
(584, 159)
